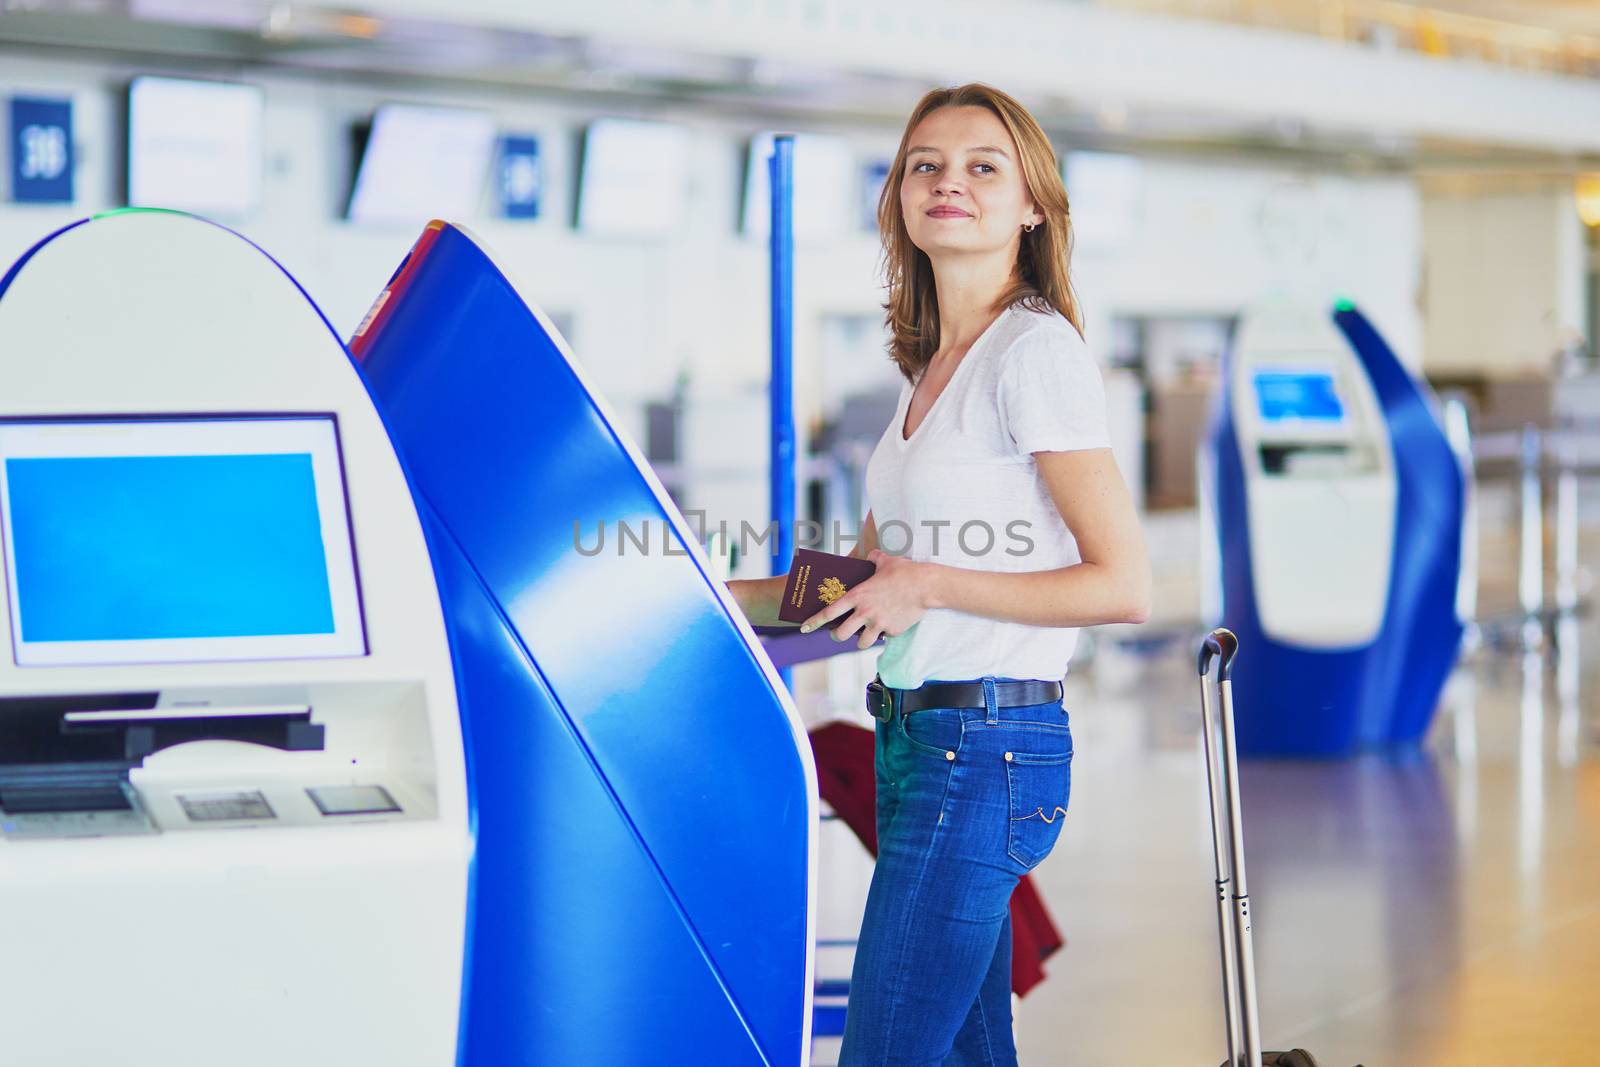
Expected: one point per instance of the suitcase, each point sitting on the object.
(1233, 893)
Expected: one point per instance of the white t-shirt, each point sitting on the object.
(967, 480)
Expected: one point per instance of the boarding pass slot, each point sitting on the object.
(145, 731)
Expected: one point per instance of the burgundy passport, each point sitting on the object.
(817, 579)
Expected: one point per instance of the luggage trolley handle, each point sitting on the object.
(1227, 839)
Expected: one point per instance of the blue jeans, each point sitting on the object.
(969, 800)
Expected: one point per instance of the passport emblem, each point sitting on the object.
(830, 590)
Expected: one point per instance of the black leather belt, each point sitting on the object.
(881, 698)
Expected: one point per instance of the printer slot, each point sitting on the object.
(1304, 459)
(146, 731)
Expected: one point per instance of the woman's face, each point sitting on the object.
(963, 190)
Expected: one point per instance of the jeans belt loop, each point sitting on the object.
(991, 705)
(895, 698)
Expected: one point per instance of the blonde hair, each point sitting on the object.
(1041, 279)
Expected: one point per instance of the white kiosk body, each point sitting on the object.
(1319, 478)
(209, 543)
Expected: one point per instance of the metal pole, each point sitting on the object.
(1233, 909)
(780, 168)
(1567, 524)
(1219, 848)
(1458, 432)
(1530, 582)
(1245, 946)
(781, 480)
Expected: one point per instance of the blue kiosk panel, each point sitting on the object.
(643, 800)
(1421, 632)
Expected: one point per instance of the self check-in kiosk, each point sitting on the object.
(643, 799)
(303, 761)
(1335, 503)
(232, 789)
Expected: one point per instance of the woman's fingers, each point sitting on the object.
(869, 635)
(856, 622)
(825, 616)
(846, 629)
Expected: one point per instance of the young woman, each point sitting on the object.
(1007, 526)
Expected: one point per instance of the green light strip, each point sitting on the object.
(137, 211)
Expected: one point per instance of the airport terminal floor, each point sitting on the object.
(1441, 910)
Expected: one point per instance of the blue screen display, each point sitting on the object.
(1282, 395)
(120, 548)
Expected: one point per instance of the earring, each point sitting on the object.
(1027, 227)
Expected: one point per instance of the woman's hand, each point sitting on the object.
(887, 604)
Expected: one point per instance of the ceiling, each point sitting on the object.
(1553, 35)
(1572, 17)
(316, 40)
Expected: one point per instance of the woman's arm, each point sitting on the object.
(759, 598)
(1112, 584)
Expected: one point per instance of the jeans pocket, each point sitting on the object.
(1039, 788)
(933, 731)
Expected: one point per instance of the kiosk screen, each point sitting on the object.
(164, 540)
(1308, 395)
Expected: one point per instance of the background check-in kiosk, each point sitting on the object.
(644, 799)
(232, 792)
(1336, 508)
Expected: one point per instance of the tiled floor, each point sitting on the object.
(1434, 910)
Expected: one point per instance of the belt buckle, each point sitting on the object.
(879, 702)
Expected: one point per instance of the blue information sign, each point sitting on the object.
(41, 151)
(520, 179)
(873, 175)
